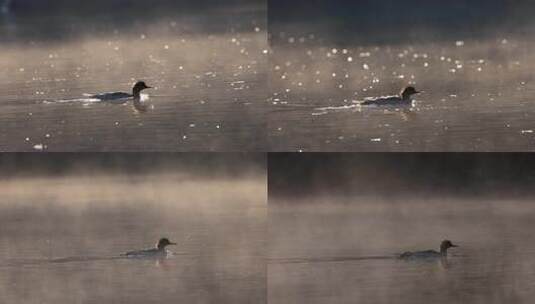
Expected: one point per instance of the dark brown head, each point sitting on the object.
(407, 92)
(138, 87)
(445, 245)
(164, 242)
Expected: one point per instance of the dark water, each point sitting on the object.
(207, 69)
(344, 251)
(61, 238)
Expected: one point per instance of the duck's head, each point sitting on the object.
(408, 92)
(446, 244)
(164, 242)
(140, 85)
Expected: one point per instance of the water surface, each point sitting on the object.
(478, 92)
(207, 70)
(62, 236)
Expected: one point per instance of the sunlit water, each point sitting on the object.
(346, 253)
(478, 95)
(209, 86)
(62, 237)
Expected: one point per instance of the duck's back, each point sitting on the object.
(111, 96)
(420, 254)
(385, 101)
(145, 253)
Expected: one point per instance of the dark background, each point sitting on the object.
(114, 7)
(197, 164)
(377, 20)
(58, 20)
(399, 174)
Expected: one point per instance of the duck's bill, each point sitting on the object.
(171, 243)
(454, 245)
(418, 92)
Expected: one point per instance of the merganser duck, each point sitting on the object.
(158, 251)
(429, 253)
(404, 98)
(121, 96)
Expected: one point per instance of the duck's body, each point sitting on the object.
(112, 96)
(421, 254)
(429, 254)
(386, 101)
(152, 252)
(121, 97)
(158, 251)
(403, 99)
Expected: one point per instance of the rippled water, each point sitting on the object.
(209, 85)
(61, 238)
(478, 94)
(345, 252)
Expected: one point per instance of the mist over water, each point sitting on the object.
(344, 250)
(206, 64)
(62, 235)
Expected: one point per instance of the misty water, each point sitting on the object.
(478, 91)
(343, 250)
(62, 237)
(207, 69)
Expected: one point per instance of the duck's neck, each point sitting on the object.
(136, 93)
(406, 97)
